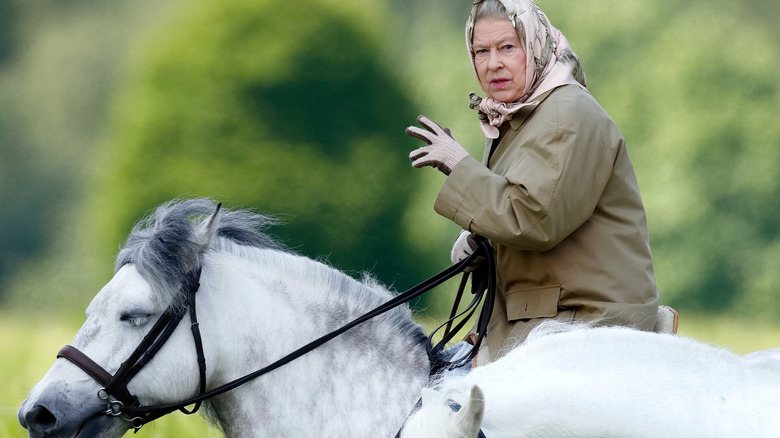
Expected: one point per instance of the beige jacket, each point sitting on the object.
(560, 203)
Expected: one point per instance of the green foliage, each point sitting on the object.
(284, 107)
(54, 91)
(234, 100)
(18, 177)
(7, 28)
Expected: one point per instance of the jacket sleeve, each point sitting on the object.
(552, 186)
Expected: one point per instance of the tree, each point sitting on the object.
(284, 107)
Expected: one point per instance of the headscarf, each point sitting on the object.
(550, 62)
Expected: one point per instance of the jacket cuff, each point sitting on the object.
(450, 201)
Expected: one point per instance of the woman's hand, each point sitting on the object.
(463, 247)
(443, 151)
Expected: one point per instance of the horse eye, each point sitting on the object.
(136, 319)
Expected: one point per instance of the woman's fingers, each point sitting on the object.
(419, 134)
(430, 125)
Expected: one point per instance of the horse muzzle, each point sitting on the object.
(49, 419)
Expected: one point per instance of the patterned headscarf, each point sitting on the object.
(550, 62)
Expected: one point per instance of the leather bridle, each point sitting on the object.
(122, 404)
(119, 401)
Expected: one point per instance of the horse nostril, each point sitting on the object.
(40, 419)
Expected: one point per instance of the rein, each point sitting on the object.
(122, 404)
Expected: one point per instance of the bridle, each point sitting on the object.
(122, 404)
(119, 401)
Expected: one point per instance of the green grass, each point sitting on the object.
(29, 347)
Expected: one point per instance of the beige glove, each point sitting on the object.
(443, 151)
(463, 247)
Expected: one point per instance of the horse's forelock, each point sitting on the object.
(165, 247)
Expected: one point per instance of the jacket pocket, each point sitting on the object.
(534, 302)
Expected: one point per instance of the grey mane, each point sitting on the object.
(165, 247)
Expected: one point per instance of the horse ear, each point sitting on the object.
(208, 230)
(468, 421)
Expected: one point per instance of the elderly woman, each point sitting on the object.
(555, 193)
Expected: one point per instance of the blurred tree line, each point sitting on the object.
(297, 109)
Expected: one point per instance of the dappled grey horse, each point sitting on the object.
(256, 302)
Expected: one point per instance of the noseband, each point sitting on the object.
(122, 404)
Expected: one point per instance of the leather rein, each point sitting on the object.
(122, 404)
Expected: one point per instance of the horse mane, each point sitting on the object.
(165, 247)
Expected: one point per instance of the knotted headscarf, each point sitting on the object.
(550, 62)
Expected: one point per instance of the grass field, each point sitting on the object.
(29, 347)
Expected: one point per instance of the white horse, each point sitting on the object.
(575, 381)
(256, 303)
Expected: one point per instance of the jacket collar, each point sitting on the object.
(522, 115)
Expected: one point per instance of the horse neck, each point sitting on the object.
(362, 383)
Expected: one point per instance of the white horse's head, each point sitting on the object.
(249, 286)
(438, 419)
(65, 402)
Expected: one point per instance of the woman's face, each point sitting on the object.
(499, 59)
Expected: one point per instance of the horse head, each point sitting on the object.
(248, 285)
(67, 402)
(441, 417)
